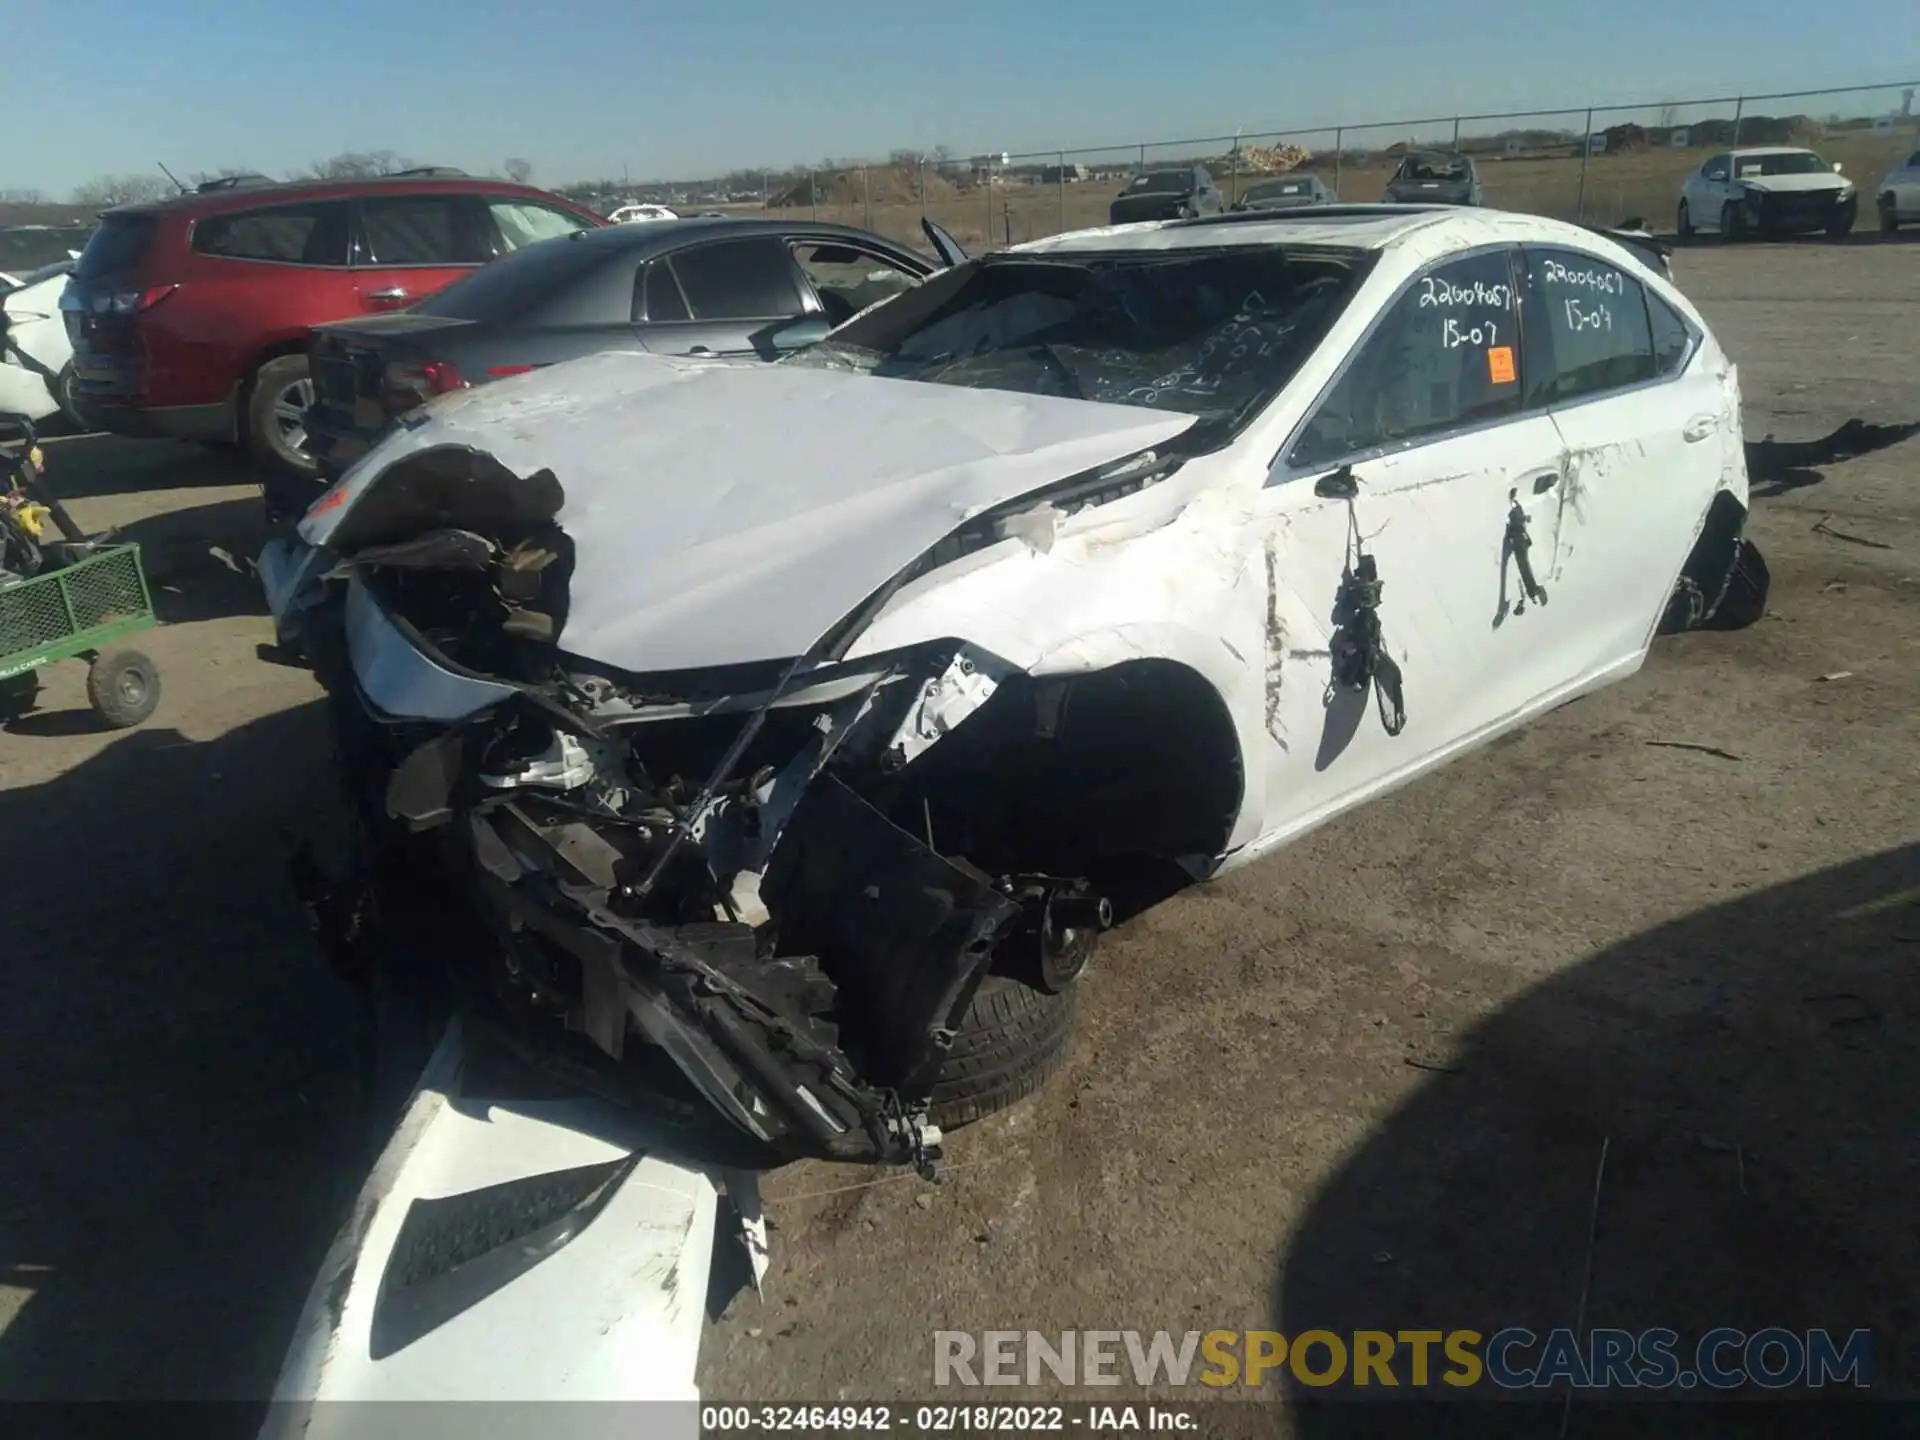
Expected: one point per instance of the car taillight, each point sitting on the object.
(500, 372)
(133, 302)
(410, 385)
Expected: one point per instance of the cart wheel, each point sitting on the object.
(18, 693)
(124, 687)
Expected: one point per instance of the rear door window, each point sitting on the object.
(1445, 356)
(1672, 336)
(313, 234)
(1587, 328)
(739, 280)
(657, 296)
(421, 230)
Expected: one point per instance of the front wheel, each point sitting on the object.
(63, 397)
(1733, 221)
(1889, 214)
(1013, 1036)
(1840, 226)
(1683, 222)
(123, 687)
(277, 414)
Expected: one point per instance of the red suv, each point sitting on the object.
(189, 317)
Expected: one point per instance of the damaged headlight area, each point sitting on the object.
(728, 870)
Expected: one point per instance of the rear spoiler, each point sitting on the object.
(1630, 233)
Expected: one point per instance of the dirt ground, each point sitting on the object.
(1364, 1083)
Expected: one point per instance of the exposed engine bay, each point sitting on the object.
(784, 877)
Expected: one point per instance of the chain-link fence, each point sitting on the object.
(1607, 164)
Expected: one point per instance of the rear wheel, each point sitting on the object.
(276, 414)
(63, 397)
(18, 694)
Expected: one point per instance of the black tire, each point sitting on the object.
(1889, 215)
(1006, 1045)
(1733, 221)
(268, 436)
(1840, 226)
(1683, 223)
(63, 397)
(19, 694)
(123, 687)
(1746, 598)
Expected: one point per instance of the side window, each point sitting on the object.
(291, 234)
(658, 294)
(420, 230)
(738, 280)
(1672, 338)
(1446, 354)
(1716, 168)
(1587, 327)
(849, 280)
(522, 222)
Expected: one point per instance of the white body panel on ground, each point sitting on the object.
(608, 1322)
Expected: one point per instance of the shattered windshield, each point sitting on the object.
(1214, 334)
(1793, 162)
(1162, 182)
(1277, 188)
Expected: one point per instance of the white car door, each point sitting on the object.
(1905, 184)
(1648, 428)
(1426, 418)
(1707, 192)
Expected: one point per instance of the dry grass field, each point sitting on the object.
(1643, 184)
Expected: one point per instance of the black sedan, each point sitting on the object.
(1289, 192)
(722, 287)
(1178, 194)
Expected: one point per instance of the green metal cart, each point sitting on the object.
(78, 612)
(91, 595)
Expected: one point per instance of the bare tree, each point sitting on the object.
(518, 170)
(27, 196)
(107, 190)
(225, 172)
(1668, 117)
(355, 165)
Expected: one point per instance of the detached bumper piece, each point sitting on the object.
(911, 934)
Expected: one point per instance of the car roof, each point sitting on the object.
(1359, 227)
(248, 197)
(1772, 150)
(663, 233)
(1438, 228)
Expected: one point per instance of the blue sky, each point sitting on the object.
(589, 87)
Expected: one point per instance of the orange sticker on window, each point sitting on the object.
(1500, 364)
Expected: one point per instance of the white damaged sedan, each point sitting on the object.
(783, 737)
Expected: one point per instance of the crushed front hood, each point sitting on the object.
(725, 514)
(1795, 184)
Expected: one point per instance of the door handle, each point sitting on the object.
(397, 292)
(1700, 427)
(1544, 483)
(698, 350)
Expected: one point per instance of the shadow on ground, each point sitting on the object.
(1776, 466)
(198, 559)
(1750, 1069)
(88, 467)
(177, 1064)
